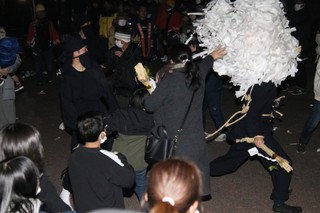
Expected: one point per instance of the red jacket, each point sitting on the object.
(54, 37)
(175, 19)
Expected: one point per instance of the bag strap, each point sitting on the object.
(185, 116)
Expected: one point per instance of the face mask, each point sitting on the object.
(198, 1)
(85, 60)
(318, 38)
(102, 140)
(298, 7)
(122, 22)
(119, 43)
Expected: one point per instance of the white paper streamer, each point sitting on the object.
(257, 37)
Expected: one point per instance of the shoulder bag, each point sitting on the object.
(160, 147)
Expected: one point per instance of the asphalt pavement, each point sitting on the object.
(245, 191)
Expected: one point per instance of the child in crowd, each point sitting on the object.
(97, 176)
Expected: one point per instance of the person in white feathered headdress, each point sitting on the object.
(261, 53)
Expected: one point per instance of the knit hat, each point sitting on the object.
(123, 34)
(40, 7)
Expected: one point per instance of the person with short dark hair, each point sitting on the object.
(97, 176)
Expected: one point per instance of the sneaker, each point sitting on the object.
(318, 150)
(284, 208)
(1, 82)
(61, 126)
(58, 73)
(301, 148)
(18, 87)
(26, 74)
(164, 58)
(221, 138)
(42, 92)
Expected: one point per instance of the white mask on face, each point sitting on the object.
(318, 38)
(119, 43)
(298, 7)
(122, 22)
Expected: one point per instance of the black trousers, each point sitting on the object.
(238, 154)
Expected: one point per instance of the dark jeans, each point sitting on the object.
(311, 124)
(212, 98)
(43, 62)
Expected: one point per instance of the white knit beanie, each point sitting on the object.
(123, 37)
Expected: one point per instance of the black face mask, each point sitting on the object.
(85, 60)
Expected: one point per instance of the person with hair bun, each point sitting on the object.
(174, 186)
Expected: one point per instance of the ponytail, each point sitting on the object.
(193, 78)
(163, 207)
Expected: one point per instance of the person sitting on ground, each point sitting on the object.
(174, 186)
(20, 139)
(19, 181)
(97, 176)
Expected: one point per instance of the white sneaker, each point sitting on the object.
(61, 126)
(164, 58)
(65, 197)
(222, 137)
(318, 150)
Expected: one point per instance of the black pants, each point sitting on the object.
(238, 154)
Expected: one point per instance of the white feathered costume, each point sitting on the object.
(257, 37)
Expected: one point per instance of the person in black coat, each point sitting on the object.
(83, 87)
(257, 125)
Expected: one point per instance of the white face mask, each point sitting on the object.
(298, 7)
(119, 43)
(122, 22)
(318, 38)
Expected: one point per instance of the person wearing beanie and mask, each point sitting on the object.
(121, 21)
(42, 36)
(314, 118)
(121, 61)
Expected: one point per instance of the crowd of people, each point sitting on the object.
(102, 99)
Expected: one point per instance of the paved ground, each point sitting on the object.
(245, 191)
